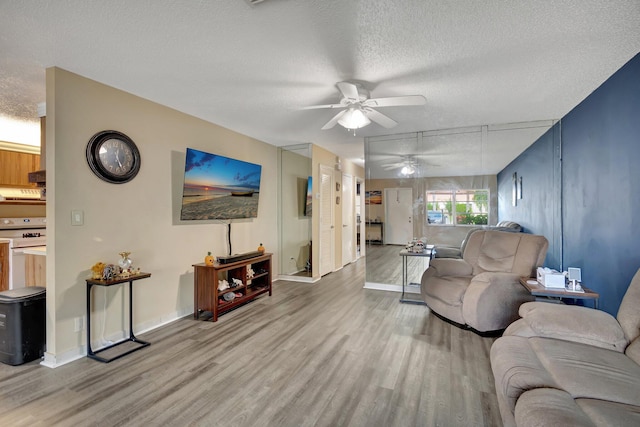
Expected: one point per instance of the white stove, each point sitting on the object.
(21, 233)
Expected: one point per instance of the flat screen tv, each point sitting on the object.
(308, 199)
(218, 187)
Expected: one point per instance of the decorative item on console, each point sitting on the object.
(125, 261)
(417, 246)
(97, 270)
(236, 282)
(222, 285)
(208, 260)
(104, 271)
(110, 271)
(261, 248)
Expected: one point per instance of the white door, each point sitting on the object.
(398, 215)
(327, 230)
(348, 229)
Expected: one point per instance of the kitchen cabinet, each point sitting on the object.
(35, 266)
(15, 167)
(4, 266)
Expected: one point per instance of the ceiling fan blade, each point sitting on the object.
(395, 101)
(314, 107)
(380, 118)
(349, 91)
(331, 123)
(392, 166)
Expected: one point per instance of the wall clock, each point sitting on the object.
(113, 156)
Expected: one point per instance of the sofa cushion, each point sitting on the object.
(507, 252)
(447, 252)
(603, 413)
(449, 289)
(544, 407)
(628, 312)
(633, 350)
(514, 226)
(567, 322)
(585, 371)
(498, 252)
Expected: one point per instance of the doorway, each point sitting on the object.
(398, 227)
(327, 228)
(348, 229)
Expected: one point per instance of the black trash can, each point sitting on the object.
(22, 324)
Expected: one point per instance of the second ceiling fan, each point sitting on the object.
(358, 109)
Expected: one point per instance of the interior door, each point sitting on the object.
(327, 228)
(348, 229)
(398, 208)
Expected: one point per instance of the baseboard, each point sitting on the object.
(391, 287)
(52, 360)
(301, 279)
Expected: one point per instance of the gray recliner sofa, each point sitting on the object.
(570, 365)
(482, 289)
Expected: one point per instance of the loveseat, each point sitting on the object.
(482, 289)
(570, 365)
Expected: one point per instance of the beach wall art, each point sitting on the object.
(219, 187)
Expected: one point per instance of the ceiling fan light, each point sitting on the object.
(354, 118)
(408, 170)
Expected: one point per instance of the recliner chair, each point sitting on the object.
(482, 289)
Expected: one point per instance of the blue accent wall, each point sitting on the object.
(581, 187)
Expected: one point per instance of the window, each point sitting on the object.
(458, 207)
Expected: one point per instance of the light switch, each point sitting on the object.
(77, 218)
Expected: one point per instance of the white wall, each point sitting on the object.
(140, 216)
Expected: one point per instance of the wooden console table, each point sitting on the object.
(374, 224)
(132, 338)
(206, 295)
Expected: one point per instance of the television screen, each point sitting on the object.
(218, 187)
(308, 198)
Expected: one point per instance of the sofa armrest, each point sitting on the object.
(492, 300)
(570, 323)
(449, 267)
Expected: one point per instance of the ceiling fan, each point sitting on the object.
(408, 165)
(358, 109)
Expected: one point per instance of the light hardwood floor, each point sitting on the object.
(384, 265)
(323, 354)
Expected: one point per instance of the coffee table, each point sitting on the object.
(538, 290)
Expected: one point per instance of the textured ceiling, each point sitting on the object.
(251, 68)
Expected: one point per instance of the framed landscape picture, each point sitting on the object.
(373, 197)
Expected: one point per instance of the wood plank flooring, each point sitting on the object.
(384, 265)
(323, 354)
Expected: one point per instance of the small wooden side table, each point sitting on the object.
(132, 338)
(538, 290)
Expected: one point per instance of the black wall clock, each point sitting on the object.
(113, 156)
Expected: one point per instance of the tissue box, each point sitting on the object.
(550, 278)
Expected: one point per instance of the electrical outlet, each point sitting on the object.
(78, 324)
